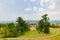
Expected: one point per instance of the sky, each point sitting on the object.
(29, 9)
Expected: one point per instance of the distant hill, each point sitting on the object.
(55, 21)
(32, 21)
(29, 21)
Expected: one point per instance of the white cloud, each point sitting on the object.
(43, 1)
(52, 6)
(33, 0)
(32, 17)
(28, 9)
(37, 16)
(46, 0)
(35, 9)
(8, 16)
(54, 15)
(41, 9)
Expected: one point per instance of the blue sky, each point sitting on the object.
(29, 9)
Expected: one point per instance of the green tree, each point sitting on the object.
(43, 24)
(21, 25)
(46, 23)
(40, 26)
(12, 30)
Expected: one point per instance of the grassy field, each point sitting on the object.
(34, 34)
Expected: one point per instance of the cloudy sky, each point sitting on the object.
(29, 9)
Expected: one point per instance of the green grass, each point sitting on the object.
(33, 33)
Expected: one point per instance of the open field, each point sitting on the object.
(34, 35)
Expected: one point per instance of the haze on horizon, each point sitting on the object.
(29, 9)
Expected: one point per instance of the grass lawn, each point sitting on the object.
(34, 34)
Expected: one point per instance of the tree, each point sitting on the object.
(46, 23)
(21, 25)
(43, 24)
(40, 26)
(11, 30)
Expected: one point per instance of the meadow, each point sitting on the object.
(33, 35)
